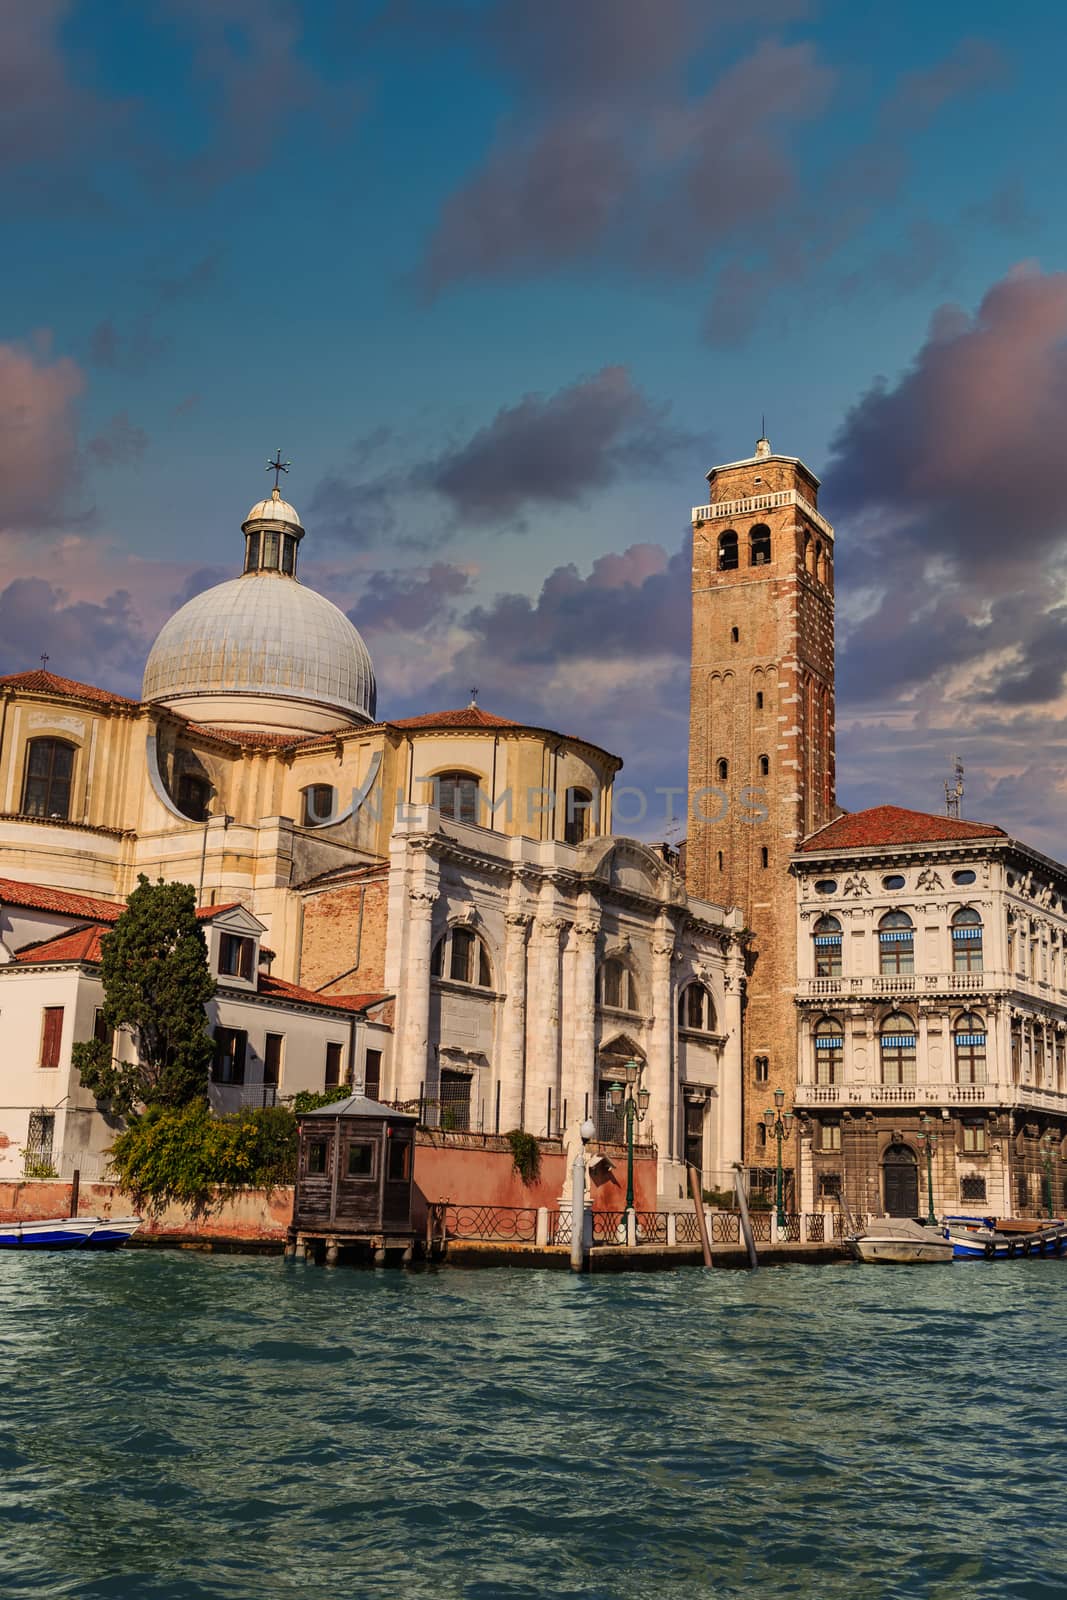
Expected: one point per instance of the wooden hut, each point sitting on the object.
(354, 1179)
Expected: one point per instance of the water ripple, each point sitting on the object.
(189, 1427)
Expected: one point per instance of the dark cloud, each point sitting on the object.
(542, 451)
(411, 601)
(203, 578)
(119, 443)
(96, 643)
(131, 353)
(554, 450)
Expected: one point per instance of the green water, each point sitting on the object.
(191, 1427)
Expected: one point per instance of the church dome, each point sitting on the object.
(262, 652)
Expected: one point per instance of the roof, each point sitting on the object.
(254, 737)
(465, 717)
(358, 1105)
(81, 945)
(38, 897)
(281, 990)
(38, 681)
(888, 825)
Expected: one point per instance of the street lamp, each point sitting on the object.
(779, 1123)
(928, 1138)
(632, 1101)
(1047, 1146)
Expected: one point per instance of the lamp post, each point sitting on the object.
(779, 1123)
(1046, 1147)
(928, 1138)
(632, 1101)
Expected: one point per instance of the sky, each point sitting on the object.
(503, 279)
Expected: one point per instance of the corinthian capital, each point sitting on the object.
(422, 901)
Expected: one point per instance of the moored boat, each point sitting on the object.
(900, 1241)
(979, 1239)
(68, 1233)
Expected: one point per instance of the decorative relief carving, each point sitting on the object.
(855, 886)
(422, 901)
(929, 880)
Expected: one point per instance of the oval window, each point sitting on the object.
(826, 886)
(895, 880)
(965, 875)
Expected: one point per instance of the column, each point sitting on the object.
(511, 1070)
(579, 1067)
(542, 1017)
(661, 1055)
(729, 1101)
(413, 1031)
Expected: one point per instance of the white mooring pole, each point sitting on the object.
(578, 1213)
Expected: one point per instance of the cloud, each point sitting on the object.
(132, 353)
(39, 461)
(119, 443)
(542, 451)
(553, 450)
(94, 642)
(410, 601)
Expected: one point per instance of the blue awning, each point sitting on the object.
(898, 1041)
(970, 1038)
(827, 938)
(966, 933)
(824, 1042)
(897, 938)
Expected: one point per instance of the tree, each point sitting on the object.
(156, 985)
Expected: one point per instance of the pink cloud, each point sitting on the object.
(39, 464)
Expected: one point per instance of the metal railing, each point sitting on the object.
(517, 1223)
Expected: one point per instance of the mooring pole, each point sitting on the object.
(75, 1190)
(578, 1214)
(746, 1225)
(702, 1221)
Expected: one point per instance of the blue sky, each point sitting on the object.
(504, 280)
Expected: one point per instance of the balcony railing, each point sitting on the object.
(898, 983)
(928, 1094)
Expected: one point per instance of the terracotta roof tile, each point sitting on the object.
(887, 825)
(38, 681)
(254, 738)
(81, 945)
(38, 897)
(308, 997)
(466, 717)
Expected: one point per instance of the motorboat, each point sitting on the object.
(68, 1233)
(979, 1239)
(900, 1241)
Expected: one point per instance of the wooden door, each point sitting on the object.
(901, 1181)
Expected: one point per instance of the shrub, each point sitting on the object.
(525, 1155)
(190, 1157)
(308, 1100)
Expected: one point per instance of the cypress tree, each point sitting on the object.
(156, 984)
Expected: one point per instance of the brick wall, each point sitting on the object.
(345, 928)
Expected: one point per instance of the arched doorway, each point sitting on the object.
(901, 1172)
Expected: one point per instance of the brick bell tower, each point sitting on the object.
(761, 733)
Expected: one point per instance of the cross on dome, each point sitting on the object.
(278, 466)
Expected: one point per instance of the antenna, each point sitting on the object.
(954, 792)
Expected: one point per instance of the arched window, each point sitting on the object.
(193, 796)
(896, 944)
(898, 1049)
(49, 770)
(318, 804)
(805, 552)
(764, 765)
(577, 823)
(967, 940)
(759, 545)
(696, 1012)
(722, 769)
(759, 699)
(817, 568)
(461, 956)
(968, 1044)
(455, 794)
(829, 1051)
(727, 551)
(826, 935)
(616, 986)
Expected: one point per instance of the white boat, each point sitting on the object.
(900, 1241)
(68, 1233)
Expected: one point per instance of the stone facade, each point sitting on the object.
(761, 750)
(932, 978)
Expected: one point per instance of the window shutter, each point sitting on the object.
(52, 1036)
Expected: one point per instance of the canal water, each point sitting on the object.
(192, 1427)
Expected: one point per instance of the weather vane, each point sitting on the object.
(278, 466)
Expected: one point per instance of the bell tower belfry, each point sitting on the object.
(761, 729)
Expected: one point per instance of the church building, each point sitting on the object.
(457, 872)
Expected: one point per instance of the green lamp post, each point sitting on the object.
(626, 1096)
(1047, 1146)
(928, 1138)
(779, 1123)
